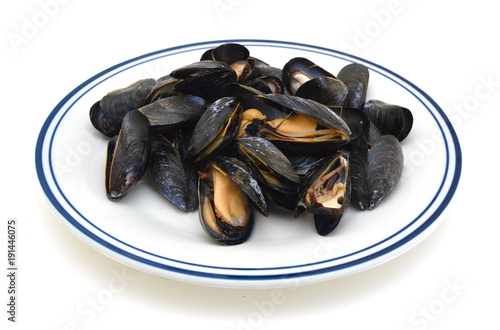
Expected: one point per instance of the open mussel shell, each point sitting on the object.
(107, 114)
(278, 178)
(224, 209)
(325, 192)
(267, 84)
(245, 177)
(235, 55)
(230, 53)
(326, 90)
(215, 129)
(384, 168)
(171, 175)
(128, 155)
(298, 70)
(355, 76)
(173, 111)
(389, 118)
(309, 127)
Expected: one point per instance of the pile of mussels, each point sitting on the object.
(231, 133)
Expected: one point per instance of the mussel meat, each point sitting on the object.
(224, 209)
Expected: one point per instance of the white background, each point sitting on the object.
(449, 50)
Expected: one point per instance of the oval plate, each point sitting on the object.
(145, 232)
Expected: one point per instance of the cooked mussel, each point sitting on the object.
(355, 76)
(107, 114)
(128, 155)
(326, 90)
(171, 175)
(309, 125)
(206, 79)
(235, 55)
(384, 168)
(278, 178)
(389, 118)
(325, 192)
(304, 78)
(224, 209)
(215, 129)
(299, 70)
(173, 111)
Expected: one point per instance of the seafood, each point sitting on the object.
(355, 76)
(206, 79)
(275, 173)
(224, 208)
(171, 175)
(384, 168)
(128, 155)
(325, 192)
(173, 111)
(311, 126)
(107, 114)
(230, 134)
(215, 129)
(389, 118)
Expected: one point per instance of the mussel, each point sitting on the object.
(173, 111)
(277, 177)
(355, 76)
(107, 114)
(304, 78)
(325, 192)
(206, 79)
(224, 209)
(216, 128)
(308, 126)
(389, 118)
(128, 155)
(384, 168)
(235, 55)
(171, 175)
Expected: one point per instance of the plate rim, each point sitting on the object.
(217, 279)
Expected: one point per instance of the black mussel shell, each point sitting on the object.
(171, 175)
(128, 156)
(384, 168)
(215, 129)
(355, 76)
(389, 118)
(107, 114)
(326, 90)
(278, 178)
(303, 67)
(173, 111)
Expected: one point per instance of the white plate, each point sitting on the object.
(145, 232)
